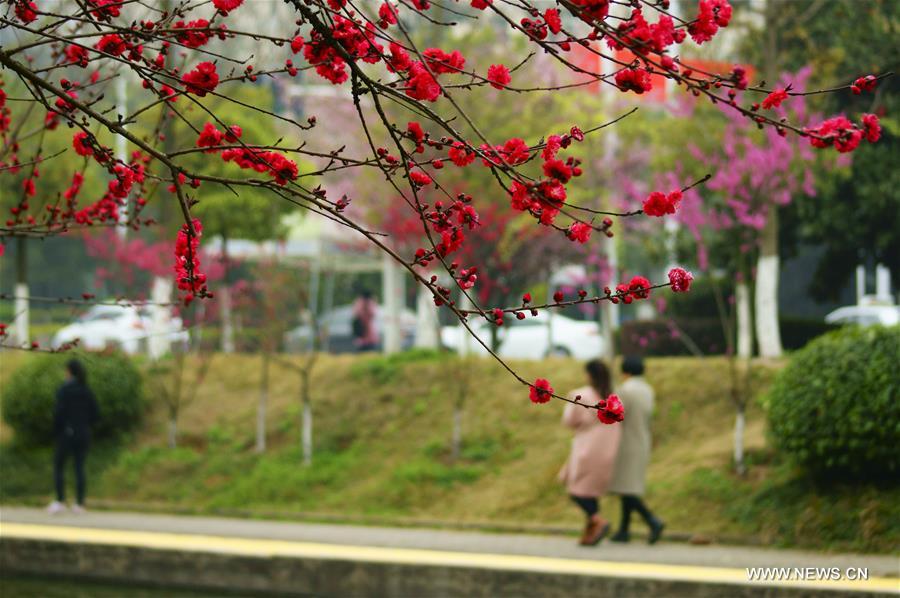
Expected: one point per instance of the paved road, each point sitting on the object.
(457, 541)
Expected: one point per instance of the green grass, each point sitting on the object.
(382, 440)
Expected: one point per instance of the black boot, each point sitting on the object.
(621, 536)
(656, 530)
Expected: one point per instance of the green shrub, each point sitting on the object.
(29, 396)
(835, 408)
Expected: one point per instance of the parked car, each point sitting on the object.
(336, 330)
(865, 315)
(121, 326)
(535, 337)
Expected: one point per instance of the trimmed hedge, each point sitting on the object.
(29, 396)
(835, 409)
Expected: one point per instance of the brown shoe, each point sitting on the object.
(586, 534)
(594, 531)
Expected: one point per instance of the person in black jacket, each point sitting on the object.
(74, 414)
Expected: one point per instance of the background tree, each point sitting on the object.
(369, 54)
(510, 254)
(177, 386)
(854, 214)
(759, 174)
(229, 213)
(266, 304)
(304, 371)
(21, 198)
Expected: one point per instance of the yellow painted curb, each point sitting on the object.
(409, 556)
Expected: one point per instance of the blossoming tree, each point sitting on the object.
(59, 60)
(754, 175)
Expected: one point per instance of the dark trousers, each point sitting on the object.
(588, 504)
(77, 447)
(632, 503)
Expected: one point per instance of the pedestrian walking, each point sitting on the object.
(630, 472)
(74, 414)
(588, 470)
(365, 333)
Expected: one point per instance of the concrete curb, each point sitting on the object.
(266, 567)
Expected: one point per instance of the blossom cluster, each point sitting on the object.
(540, 391)
(125, 178)
(202, 80)
(610, 410)
(277, 165)
(188, 277)
(542, 198)
(712, 15)
(659, 204)
(843, 134)
(545, 197)
(680, 280)
(637, 288)
(867, 83)
(636, 80)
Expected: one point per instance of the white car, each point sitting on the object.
(119, 326)
(535, 337)
(865, 315)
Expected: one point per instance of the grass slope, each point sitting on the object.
(382, 439)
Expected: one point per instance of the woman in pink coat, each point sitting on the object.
(589, 468)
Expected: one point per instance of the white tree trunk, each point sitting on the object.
(609, 310)
(261, 406)
(158, 341)
(456, 440)
(744, 323)
(122, 82)
(393, 286)
(466, 344)
(307, 434)
(768, 335)
(227, 319)
(883, 284)
(426, 320)
(173, 431)
(261, 423)
(860, 283)
(739, 422)
(20, 323)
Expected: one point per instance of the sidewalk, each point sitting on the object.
(508, 552)
(519, 544)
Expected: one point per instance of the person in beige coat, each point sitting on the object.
(633, 457)
(588, 470)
